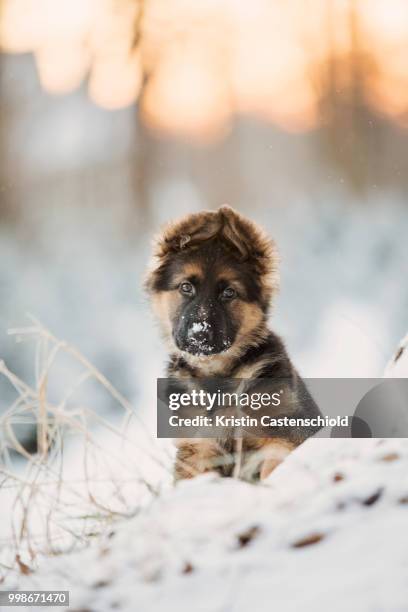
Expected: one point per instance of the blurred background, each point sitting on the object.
(117, 115)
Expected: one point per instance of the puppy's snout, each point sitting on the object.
(201, 332)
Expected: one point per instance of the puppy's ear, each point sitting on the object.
(242, 235)
(190, 232)
(249, 241)
(177, 237)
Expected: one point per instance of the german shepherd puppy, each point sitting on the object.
(211, 284)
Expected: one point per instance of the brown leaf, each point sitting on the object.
(187, 568)
(101, 584)
(390, 457)
(313, 538)
(372, 499)
(338, 477)
(247, 536)
(403, 499)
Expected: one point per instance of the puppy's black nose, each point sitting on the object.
(202, 337)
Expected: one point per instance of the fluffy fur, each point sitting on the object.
(211, 283)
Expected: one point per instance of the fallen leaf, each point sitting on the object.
(313, 538)
(247, 536)
(372, 499)
(390, 457)
(101, 584)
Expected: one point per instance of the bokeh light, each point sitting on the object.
(196, 65)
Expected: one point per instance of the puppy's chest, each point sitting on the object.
(184, 371)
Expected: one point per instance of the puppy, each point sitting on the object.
(211, 284)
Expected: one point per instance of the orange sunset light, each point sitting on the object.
(194, 64)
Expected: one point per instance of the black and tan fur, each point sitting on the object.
(213, 277)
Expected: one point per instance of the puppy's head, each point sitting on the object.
(212, 280)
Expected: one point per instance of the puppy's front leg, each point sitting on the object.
(196, 457)
(273, 453)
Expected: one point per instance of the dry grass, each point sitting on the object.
(89, 470)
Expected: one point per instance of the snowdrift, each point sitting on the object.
(327, 530)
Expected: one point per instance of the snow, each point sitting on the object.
(198, 327)
(324, 532)
(199, 342)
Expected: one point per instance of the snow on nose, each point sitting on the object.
(197, 328)
(199, 335)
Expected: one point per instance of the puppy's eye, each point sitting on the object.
(186, 288)
(229, 293)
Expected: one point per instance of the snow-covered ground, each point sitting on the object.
(327, 531)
